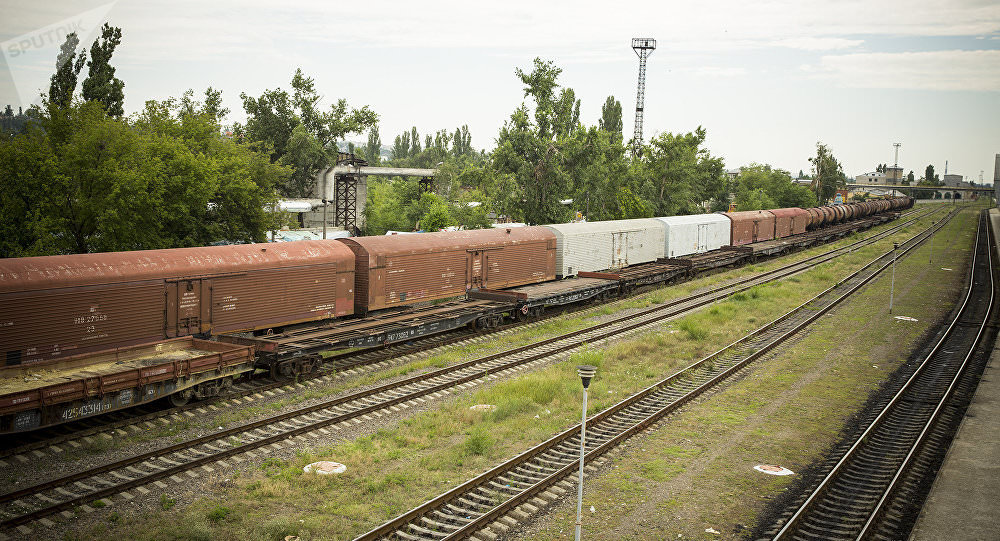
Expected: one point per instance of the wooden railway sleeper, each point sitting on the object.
(438, 525)
(427, 532)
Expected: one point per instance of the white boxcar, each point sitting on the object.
(598, 246)
(694, 234)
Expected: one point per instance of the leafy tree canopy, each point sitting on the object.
(273, 116)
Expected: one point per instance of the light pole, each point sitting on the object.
(892, 282)
(586, 372)
(324, 218)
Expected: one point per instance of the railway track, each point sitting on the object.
(511, 489)
(874, 489)
(62, 495)
(69, 435)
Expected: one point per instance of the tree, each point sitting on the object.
(69, 63)
(909, 178)
(101, 85)
(611, 116)
(414, 142)
(373, 150)
(761, 187)
(829, 174)
(305, 155)
(540, 84)
(437, 217)
(461, 142)
(83, 181)
(272, 118)
(931, 177)
(680, 174)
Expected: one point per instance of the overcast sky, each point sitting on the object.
(767, 80)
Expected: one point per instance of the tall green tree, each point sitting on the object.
(69, 63)
(461, 142)
(680, 174)
(762, 187)
(306, 156)
(273, 116)
(829, 174)
(83, 181)
(373, 149)
(611, 116)
(101, 85)
(931, 177)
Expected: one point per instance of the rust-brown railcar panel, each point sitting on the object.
(421, 277)
(258, 299)
(407, 269)
(750, 226)
(521, 264)
(39, 326)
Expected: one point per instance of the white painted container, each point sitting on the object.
(610, 245)
(694, 234)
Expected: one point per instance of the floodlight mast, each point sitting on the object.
(643, 47)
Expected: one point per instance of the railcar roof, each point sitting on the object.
(57, 271)
(420, 243)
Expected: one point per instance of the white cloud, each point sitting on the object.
(934, 70)
(714, 71)
(818, 44)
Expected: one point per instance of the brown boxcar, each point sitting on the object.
(67, 304)
(397, 270)
(789, 221)
(750, 226)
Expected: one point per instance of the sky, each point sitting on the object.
(767, 80)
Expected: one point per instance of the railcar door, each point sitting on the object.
(188, 307)
(702, 238)
(756, 230)
(474, 270)
(619, 249)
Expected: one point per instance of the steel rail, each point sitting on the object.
(816, 495)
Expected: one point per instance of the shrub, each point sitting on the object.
(477, 443)
(218, 514)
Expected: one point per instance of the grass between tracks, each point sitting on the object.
(396, 469)
(697, 472)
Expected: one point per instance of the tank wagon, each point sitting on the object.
(400, 270)
(62, 305)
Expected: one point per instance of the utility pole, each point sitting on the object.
(895, 163)
(643, 47)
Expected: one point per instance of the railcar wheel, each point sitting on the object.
(181, 398)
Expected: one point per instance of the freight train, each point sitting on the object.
(64, 307)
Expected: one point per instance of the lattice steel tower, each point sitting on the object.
(642, 47)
